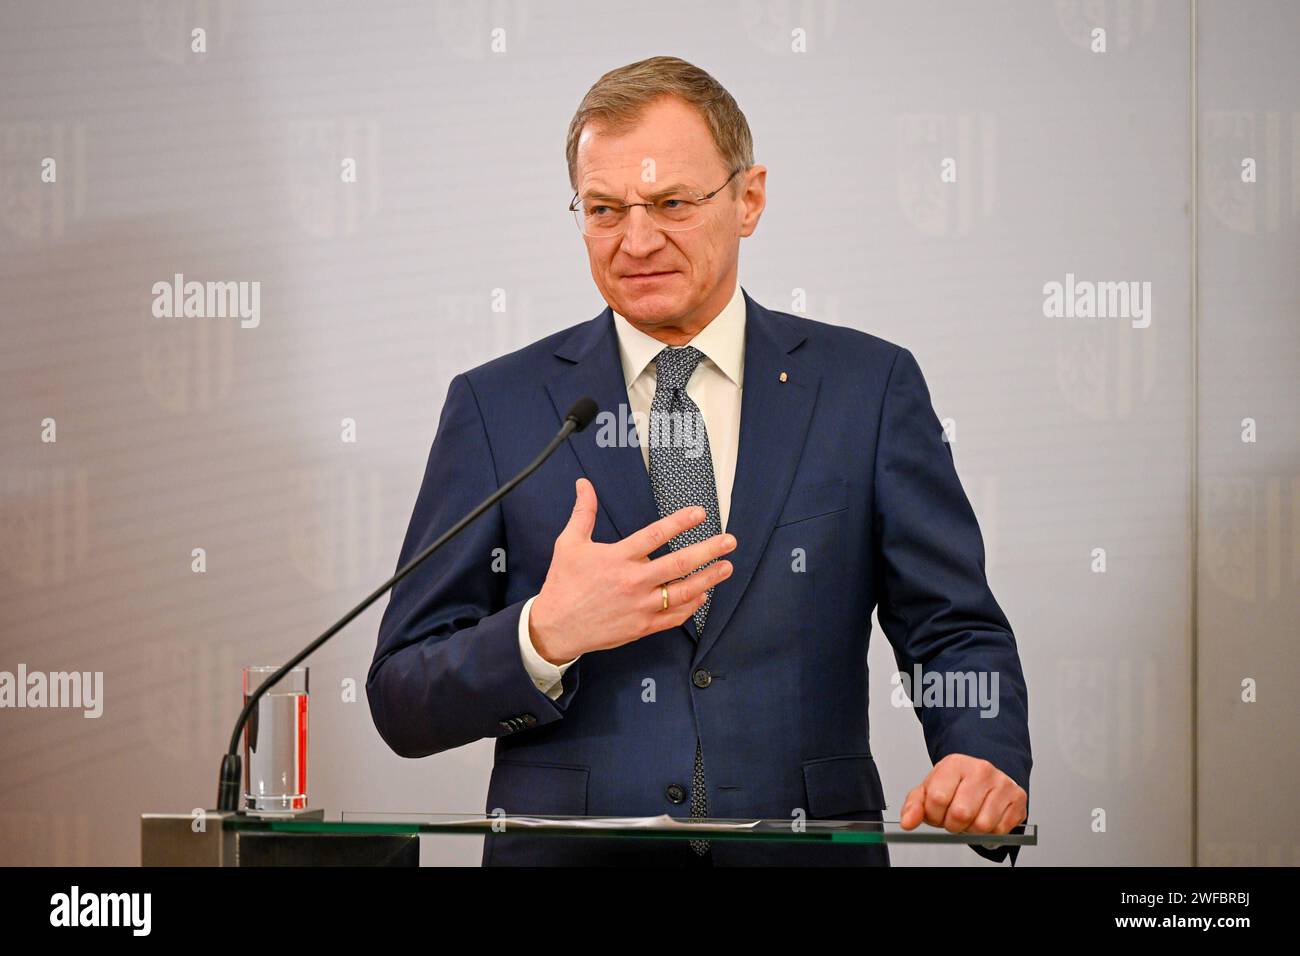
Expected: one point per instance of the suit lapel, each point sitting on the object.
(622, 484)
(774, 417)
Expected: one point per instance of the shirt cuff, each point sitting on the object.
(546, 676)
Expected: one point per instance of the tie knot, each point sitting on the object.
(674, 367)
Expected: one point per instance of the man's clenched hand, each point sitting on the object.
(965, 794)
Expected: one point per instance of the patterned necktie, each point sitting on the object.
(681, 473)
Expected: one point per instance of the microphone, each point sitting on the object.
(579, 416)
(583, 412)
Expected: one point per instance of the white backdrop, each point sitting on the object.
(453, 246)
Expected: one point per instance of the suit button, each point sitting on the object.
(529, 720)
(701, 677)
(675, 793)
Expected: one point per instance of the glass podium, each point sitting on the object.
(366, 838)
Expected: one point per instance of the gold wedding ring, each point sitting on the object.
(663, 589)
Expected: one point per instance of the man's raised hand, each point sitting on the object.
(597, 596)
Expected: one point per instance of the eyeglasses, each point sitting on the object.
(675, 212)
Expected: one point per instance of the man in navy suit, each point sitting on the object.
(672, 614)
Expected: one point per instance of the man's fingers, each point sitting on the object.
(688, 589)
(913, 808)
(684, 597)
(685, 560)
(992, 810)
(940, 788)
(679, 613)
(964, 807)
(1012, 817)
(980, 783)
(641, 543)
(583, 519)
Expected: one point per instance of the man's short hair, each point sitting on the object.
(619, 99)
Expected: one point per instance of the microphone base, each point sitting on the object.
(228, 784)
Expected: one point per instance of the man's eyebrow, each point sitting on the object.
(596, 193)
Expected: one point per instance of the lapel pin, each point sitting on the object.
(784, 376)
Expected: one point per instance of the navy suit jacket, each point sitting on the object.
(845, 498)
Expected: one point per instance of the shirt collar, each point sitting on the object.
(722, 341)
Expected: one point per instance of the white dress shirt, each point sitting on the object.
(715, 388)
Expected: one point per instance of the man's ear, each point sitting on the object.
(754, 196)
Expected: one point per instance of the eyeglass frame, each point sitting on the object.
(573, 207)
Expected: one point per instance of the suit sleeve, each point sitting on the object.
(447, 668)
(935, 604)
